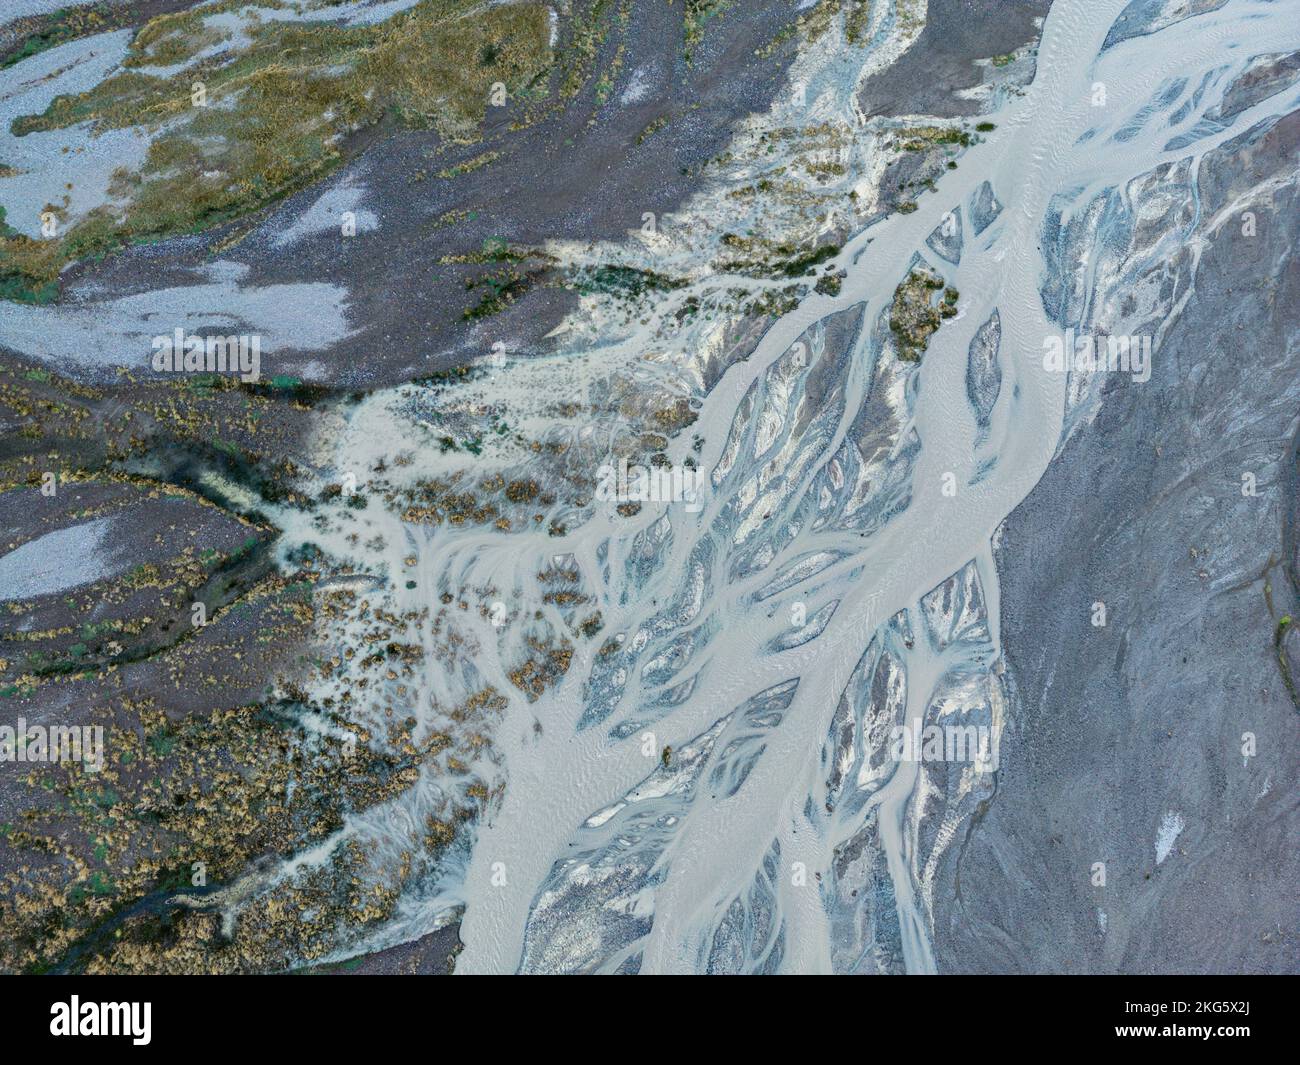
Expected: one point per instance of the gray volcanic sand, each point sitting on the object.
(927, 77)
(1120, 733)
(431, 955)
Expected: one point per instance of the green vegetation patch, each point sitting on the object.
(921, 303)
(919, 138)
(38, 33)
(272, 115)
(768, 259)
(696, 13)
(624, 281)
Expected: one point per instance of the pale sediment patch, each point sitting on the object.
(1170, 829)
(59, 560)
(75, 162)
(328, 213)
(306, 316)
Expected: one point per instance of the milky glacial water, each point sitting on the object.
(837, 582)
